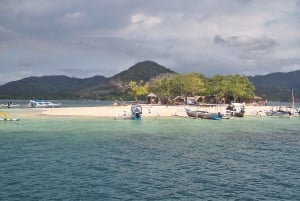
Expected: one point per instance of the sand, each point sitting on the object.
(148, 111)
(124, 111)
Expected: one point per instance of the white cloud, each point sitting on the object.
(143, 20)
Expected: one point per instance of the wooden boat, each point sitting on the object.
(203, 114)
(279, 113)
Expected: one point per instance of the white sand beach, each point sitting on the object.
(148, 110)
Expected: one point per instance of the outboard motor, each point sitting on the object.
(136, 111)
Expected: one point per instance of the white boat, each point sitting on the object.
(134, 114)
(42, 104)
(235, 110)
(10, 105)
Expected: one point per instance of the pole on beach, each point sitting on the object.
(293, 102)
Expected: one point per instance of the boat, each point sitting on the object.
(42, 104)
(136, 111)
(203, 114)
(134, 114)
(235, 110)
(10, 105)
(6, 117)
(279, 113)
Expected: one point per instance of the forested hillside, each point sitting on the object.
(97, 87)
(277, 86)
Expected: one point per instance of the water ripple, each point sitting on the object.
(151, 160)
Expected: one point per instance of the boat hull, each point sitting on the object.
(203, 115)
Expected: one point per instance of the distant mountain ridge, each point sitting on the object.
(277, 86)
(60, 86)
(274, 86)
(48, 86)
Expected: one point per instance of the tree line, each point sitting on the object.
(235, 88)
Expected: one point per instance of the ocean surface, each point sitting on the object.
(59, 158)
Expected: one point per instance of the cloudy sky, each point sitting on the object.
(103, 37)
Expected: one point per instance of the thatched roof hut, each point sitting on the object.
(152, 98)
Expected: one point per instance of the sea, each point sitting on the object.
(92, 158)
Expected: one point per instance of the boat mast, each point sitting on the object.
(293, 102)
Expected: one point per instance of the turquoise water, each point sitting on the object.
(51, 158)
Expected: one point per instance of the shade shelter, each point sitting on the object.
(179, 100)
(152, 98)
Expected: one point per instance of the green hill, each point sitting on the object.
(141, 71)
(48, 87)
(274, 86)
(60, 87)
(277, 86)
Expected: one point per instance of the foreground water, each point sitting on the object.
(51, 158)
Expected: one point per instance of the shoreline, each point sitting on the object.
(151, 111)
(113, 111)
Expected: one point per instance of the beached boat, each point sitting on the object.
(42, 104)
(135, 113)
(203, 114)
(235, 110)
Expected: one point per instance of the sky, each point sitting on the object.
(81, 38)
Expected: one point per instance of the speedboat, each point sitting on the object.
(134, 114)
(235, 110)
(10, 105)
(136, 111)
(42, 104)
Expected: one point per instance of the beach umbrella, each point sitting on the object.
(152, 95)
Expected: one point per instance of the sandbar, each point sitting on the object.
(148, 110)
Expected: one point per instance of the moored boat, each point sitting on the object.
(279, 113)
(42, 104)
(135, 113)
(10, 105)
(203, 114)
(235, 110)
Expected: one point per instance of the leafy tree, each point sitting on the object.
(138, 89)
(162, 85)
(239, 87)
(192, 84)
(217, 86)
(171, 85)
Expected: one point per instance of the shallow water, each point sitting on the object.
(50, 158)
